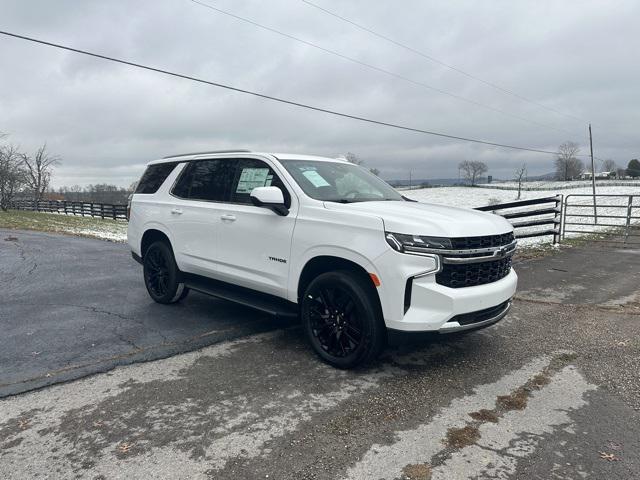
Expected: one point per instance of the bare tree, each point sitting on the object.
(520, 176)
(75, 190)
(608, 165)
(473, 170)
(568, 166)
(39, 169)
(621, 172)
(353, 158)
(375, 171)
(12, 175)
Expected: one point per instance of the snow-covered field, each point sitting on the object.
(477, 197)
(554, 185)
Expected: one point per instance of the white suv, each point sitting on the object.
(320, 238)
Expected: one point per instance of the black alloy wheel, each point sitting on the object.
(335, 323)
(161, 274)
(342, 319)
(157, 272)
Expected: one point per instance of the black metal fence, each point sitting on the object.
(543, 219)
(84, 209)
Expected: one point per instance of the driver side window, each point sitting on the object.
(251, 173)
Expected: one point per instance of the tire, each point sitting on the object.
(161, 274)
(342, 319)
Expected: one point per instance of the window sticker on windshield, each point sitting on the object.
(315, 178)
(251, 178)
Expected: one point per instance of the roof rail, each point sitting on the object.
(206, 153)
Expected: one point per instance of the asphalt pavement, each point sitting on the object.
(72, 306)
(552, 391)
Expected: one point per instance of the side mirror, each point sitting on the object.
(269, 197)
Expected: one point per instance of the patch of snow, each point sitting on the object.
(113, 235)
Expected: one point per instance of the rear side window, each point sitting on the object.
(206, 180)
(154, 176)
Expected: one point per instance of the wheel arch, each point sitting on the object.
(329, 263)
(150, 236)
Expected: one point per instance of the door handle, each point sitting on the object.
(176, 211)
(229, 218)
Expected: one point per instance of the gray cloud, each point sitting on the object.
(106, 120)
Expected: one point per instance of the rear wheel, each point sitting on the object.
(342, 319)
(161, 274)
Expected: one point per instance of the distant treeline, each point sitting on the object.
(98, 193)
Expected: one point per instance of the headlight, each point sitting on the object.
(401, 241)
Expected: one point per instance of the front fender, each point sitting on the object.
(322, 251)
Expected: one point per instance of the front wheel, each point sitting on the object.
(161, 274)
(342, 319)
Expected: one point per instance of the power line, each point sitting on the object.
(373, 67)
(439, 62)
(275, 99)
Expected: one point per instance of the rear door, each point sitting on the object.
(199, 196)
(254, 243)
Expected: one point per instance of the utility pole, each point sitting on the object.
(593, 177)
(409, 179)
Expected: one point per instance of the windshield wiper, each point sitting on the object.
(361, 200)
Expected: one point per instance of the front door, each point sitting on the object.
(254, 243)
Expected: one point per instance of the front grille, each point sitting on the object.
(459, 274)
(467, 243)
(472, 274)
(480, 315)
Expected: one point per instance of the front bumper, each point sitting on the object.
(430, 306)
(476, 320)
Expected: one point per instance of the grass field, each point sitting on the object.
(112, 230)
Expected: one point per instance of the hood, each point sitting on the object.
(416, 218)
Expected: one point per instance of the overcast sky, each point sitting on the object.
(106, 120)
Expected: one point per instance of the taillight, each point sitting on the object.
(129, 206)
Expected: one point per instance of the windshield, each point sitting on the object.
(339, 182)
